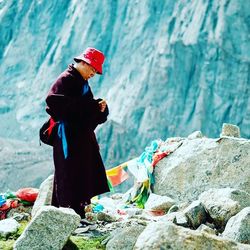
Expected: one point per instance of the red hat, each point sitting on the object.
(93, 57)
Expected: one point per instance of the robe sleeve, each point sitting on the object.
(63, 105)
(100, 117)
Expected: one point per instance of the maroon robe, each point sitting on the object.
(81, 175)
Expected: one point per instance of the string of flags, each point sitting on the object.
(142, 169)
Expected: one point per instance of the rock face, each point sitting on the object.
(49, 229)
(238, 227)
(200, 164)
(23, 164)
(222, 204)
(182, 85)
(44, 196)
(165, 235)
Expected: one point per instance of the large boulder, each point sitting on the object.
(238, 227)
(166, 235)
(203, 163)
(44, 196)
(222, 204)
(50, 228)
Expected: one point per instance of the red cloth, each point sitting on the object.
(52, 123)
(27, 194)
(158, 156)
(4, 209)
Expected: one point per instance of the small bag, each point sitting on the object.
(48, 132)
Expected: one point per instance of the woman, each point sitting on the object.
(79, 170)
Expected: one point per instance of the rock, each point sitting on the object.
(50, 228)
(174, 208)
(21, 210)
(192, 52)
(90, 216)
(196, 214)
(158, 202)
(181, 219)
(195, 135)
(230, 130)
(8, 226)
(222, 204)
(205, 229)
(44, 196)
(238, 227)
(131, 211)
(104, 216)
(21, 216)
(125, 238)
(201, 164)
(177, 218)
(166, 235)
(81, 230)
(170, 217)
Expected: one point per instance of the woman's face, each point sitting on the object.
(86, 70)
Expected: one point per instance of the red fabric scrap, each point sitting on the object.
(158, 156)
(27, 194)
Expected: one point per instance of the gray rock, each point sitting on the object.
(50, 228)
(205, 229)
(238, 227)
(104, 216)
(230, 130)
(201, 164)
(222, 204)
(181, 219)
(8, 226)
(44, 196)
(158, 202)
(131, 211)
(171, 217)
(125, 238)
(195, 214)
(195, 135)
(21, 210)
(166, 235)
(174, 208)
(21, 216)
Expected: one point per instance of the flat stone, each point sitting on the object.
(44, 196)
(159, 202)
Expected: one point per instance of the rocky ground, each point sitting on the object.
(203, 203)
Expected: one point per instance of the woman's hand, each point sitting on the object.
(102, 105)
